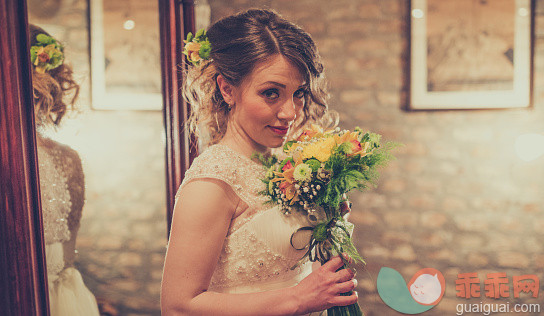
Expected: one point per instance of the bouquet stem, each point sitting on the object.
(349, 310)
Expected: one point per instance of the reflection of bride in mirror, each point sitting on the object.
(61, 177)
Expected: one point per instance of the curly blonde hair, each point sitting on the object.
(238, 43)
(55, 91)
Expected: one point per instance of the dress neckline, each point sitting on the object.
(236, 153)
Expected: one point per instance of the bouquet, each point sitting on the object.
(319, 168)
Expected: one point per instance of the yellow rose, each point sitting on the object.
(320, 150)
(192, 49)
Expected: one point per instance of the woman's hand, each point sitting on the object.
(322, 288)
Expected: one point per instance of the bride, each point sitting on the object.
(229, 253)
(61, 178)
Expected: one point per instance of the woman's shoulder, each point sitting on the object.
(61, 151)
(222, 163)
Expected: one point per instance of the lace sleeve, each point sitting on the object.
(55, 197)
(76, 188)
(241, 173)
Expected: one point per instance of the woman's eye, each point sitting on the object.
(271, 94)
(299, 94)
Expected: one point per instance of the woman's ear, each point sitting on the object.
(227, 90)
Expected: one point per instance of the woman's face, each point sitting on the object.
(267, 102)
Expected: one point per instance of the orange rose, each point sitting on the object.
(42, 56)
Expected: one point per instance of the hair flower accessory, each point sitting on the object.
(47, 54)
(197, 47)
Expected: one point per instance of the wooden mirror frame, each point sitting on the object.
(23, 277)
(181, 148)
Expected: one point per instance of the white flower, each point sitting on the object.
(303, 172)
(305, 189)
(318, 187)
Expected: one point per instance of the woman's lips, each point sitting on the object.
(280, 130)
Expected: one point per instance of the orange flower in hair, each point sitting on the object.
(197, 48)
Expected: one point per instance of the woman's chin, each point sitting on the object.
(278, 143)
(274, 142)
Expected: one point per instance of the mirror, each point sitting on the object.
(102, 172)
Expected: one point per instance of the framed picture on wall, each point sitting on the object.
(470, 54)
(125, 55)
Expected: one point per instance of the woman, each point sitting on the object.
(229, 253)
(61, 178)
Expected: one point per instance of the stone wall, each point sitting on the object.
(457, 198)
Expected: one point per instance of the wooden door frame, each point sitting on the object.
(177, 19)
(23, 277)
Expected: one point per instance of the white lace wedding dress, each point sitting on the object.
(62, 196)
(257, 254)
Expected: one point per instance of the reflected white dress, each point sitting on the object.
(257, 254)
(62, 197)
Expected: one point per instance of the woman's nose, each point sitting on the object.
(288, 111)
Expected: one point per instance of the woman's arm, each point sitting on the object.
(200, 223)
(202, 215)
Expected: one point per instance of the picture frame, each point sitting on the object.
(125, 67)
(470, 54)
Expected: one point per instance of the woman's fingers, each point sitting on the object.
(344, 275)
(345, 287)
(342, 300)
(334, 264)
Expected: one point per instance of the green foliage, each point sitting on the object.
(288, 145)
(372, 138)
(267, 160)
(320, 232)
(33, 53)
(205, 49)
(200, 34)
(313, 163)
(344, 148)
(45, 40)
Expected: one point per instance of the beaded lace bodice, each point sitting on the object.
(62, 198)
(257, 249)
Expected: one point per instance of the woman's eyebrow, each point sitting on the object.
(274, 83)
(281, 85)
